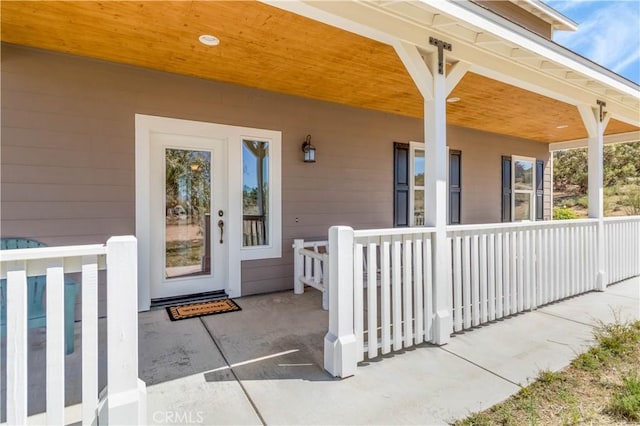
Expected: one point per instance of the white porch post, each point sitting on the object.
(340, 350)
(126, 394)
(595, 122)
(435, 131)
(434, 88)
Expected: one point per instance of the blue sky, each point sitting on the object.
(608, 33)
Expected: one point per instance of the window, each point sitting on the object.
(523, 192)
(522, 189)
(409, 185)
(255, 193)
(417, 186)
(455, 187)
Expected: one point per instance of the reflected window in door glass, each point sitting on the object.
(187, 213)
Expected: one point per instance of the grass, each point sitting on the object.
(601, 386)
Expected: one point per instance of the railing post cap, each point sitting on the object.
(122, 239)
(341, 228)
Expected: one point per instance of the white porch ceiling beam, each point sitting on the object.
(387, 27)
(455, 74)
(608, 140)
(416, 66)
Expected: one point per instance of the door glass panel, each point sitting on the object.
(255, 193)
(523, 174)
(187, 212)
(523, 206)
(418, 168)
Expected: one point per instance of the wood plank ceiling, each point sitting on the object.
(267, 48)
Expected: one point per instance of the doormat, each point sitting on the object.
(201, 309)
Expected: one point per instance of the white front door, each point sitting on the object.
(188, 213)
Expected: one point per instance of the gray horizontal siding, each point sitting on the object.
(68, 158)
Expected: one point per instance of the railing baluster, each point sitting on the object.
(475, 282)
(500, 264)
(55, 342)
(372, 300)
(483, 279)
(520, 269)
(385, 295)
(407, 293)
(17, 343)
(457, 284)
(89, 340)
(507, 255)
(418, 284)
(466, 281)
(428, 290)
(491, 269)
(526, 259)
(397, 296)
(358, 303)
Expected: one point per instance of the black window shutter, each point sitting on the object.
(506, 189)
(401, 184)
(539, 190)
(455, 195)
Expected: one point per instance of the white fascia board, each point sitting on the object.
(488, 21)
(608, 140)
(552, 16)
(370, 21)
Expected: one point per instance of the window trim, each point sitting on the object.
(531, 192)
(274, 248)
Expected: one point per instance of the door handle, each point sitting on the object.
(221, 226)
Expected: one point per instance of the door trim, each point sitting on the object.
(147, 124)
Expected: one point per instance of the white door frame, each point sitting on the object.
(147, 124)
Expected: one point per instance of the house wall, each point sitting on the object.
(68, 160)
(519, 16)
(481, 170)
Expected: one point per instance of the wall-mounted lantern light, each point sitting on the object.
(309, 150)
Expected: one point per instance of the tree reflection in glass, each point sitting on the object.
(255, 193)
(187, 212)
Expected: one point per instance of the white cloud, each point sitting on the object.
(608, 33)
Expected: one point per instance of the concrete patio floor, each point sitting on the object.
(263, 365)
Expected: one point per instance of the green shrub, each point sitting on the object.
(583, 202)
(631, 203)
(626, 402)
(563, 213)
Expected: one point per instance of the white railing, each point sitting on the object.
(396, 261)
(365, 320)
(310, 267)
(124, 400)
(383, 288)
(502, 269)
(622, 247)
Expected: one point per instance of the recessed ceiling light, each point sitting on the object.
(453, 100)
(209, 40)
(562, 126)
